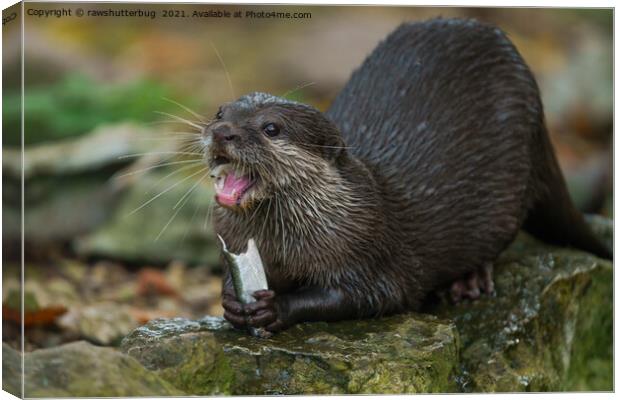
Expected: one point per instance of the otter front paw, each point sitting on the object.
(265, 312)
(233, 311)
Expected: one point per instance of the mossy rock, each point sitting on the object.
(401, 354)
(80, 369)
(548, 328)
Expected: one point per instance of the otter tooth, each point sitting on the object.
(219, 171)
(219, 182)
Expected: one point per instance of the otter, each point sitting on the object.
(421, 173)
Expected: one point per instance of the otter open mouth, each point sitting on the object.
(230, 186)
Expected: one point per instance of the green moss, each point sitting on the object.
(591, 357)
(77, 104)
(400, 354)
(204, 370)
(548, 328)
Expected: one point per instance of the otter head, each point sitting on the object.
(260, 146)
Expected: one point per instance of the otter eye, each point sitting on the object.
(219, 114)
(271, 129)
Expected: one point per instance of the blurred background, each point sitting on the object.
(117, 226)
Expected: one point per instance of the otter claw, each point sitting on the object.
(264, 314)
(477, 282)
(263, 311)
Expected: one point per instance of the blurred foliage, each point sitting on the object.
(601, 17)
(77, 104)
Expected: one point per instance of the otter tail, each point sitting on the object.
(553, 217)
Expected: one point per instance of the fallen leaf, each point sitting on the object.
(152, 281)
(144, 316)
(43, 316)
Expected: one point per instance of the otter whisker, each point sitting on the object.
(326, 146)
(209, 214)
(280, 212)
(190, 190)
(255, 211)
(191, 138)
(176, 171)
(170, 134)
(189, 134)
(198, 204)
(298, 88)
(158, 153)
(156, 166)
(191, 145)
(201, 118)
(171, 122)
(266, 219)
(177, 212)
(180, 119)
(180, 138)
(165, 191)
(217, 53)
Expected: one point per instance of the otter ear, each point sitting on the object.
(334, 147)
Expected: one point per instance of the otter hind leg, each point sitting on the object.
(477, 282)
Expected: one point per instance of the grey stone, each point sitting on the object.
(67, 185)
(163, 229)
(80, 369)
(103, 323)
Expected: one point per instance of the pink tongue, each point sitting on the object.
(232, 189)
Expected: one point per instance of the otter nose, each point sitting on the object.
(223, 132)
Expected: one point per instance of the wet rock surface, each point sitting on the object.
(548, 328)
(403, 353)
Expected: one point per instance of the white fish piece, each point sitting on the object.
(248, 276)
(247, 271)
